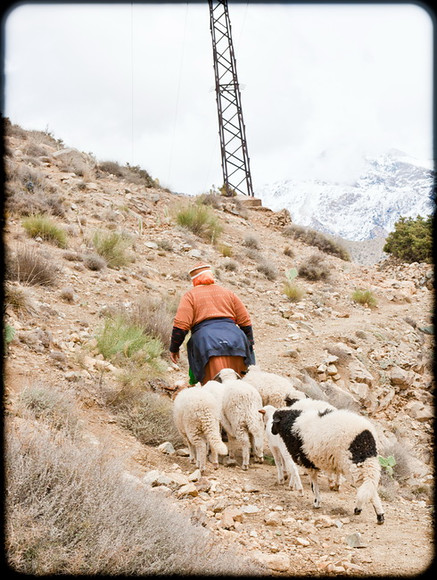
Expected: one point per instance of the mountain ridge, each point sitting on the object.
(392, 185)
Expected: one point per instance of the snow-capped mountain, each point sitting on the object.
(391, 186)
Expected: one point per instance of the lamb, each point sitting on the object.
(338, 441)
(196, 415)
(272, 387)
(322, 406)
(240, 403)
(283, 460)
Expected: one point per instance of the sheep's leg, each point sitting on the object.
(368, 491)
(258, 447)
(200, 446)
(295, 481)
(243, 440)
(213, 457)
(314, 486)
(277, 456)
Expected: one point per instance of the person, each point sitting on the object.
(220, 325)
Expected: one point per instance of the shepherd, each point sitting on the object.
(220, 325)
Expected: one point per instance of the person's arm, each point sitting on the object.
(177, 338)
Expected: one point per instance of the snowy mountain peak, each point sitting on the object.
(392, 185)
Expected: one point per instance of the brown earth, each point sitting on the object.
(391, 342)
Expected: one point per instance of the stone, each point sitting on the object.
(355, 540)
(280, 562)
(167, 448)
(359, 373)
(273, 519)
(187, 490)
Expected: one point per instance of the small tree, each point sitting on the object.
(411, 241)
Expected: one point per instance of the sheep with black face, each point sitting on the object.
(336, 441)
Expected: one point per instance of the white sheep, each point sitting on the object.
(273, 388)
(196, 415)
(239, 414)
(338, 441)
(283, 460)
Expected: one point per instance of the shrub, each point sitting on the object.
(201, 220)
(289, 252)
(411, 240)
(17, 299)
(42, 226)
(94, 262)
(147, 415)
(251, 241)
(293, 292)
(54, 407)
(364, 297)
(27, 266)
(226, 250)
(112, 246)
(71, 509)
(314, 269)
(119, 339)
(314, 238)
(154, 317)
(131, 173)
(211, 198)
(269, 270)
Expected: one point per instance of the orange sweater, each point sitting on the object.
(210, 301)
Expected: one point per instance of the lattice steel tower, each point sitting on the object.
(235, 159)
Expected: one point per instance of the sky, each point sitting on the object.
(322, 85)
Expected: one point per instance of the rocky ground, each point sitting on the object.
(375, 360)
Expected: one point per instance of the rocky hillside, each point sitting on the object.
(376, 360)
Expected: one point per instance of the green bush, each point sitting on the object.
(119, 339)
(293, 292)
(45, 228)
(364, 297)
(201, 220)
(112, 246)
(411, 240)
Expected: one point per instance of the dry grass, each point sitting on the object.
(69, 510)
(27, 266)
(314, 238)
(315, 268)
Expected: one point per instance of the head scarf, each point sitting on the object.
(201, 275)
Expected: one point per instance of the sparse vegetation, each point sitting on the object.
(27, 266)
(364, 297)
(132, 173)
(94, 262)
(44, 227)
(411, 240)
(269, 270)
(113, 246)
(293, 292)
(72, 509)
(251, 241)
(200, 220)
(314, 238)
(315, 268)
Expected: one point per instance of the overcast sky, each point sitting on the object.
(323, 84)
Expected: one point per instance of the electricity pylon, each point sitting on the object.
(233, 144)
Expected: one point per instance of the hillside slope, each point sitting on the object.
(375, 360)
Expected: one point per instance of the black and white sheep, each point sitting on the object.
(273, 388)
(240, 403)
(338, 441)
(196, 414)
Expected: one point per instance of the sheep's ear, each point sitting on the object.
(217, 378)
(262, 411)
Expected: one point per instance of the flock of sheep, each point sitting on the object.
(265, 407)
